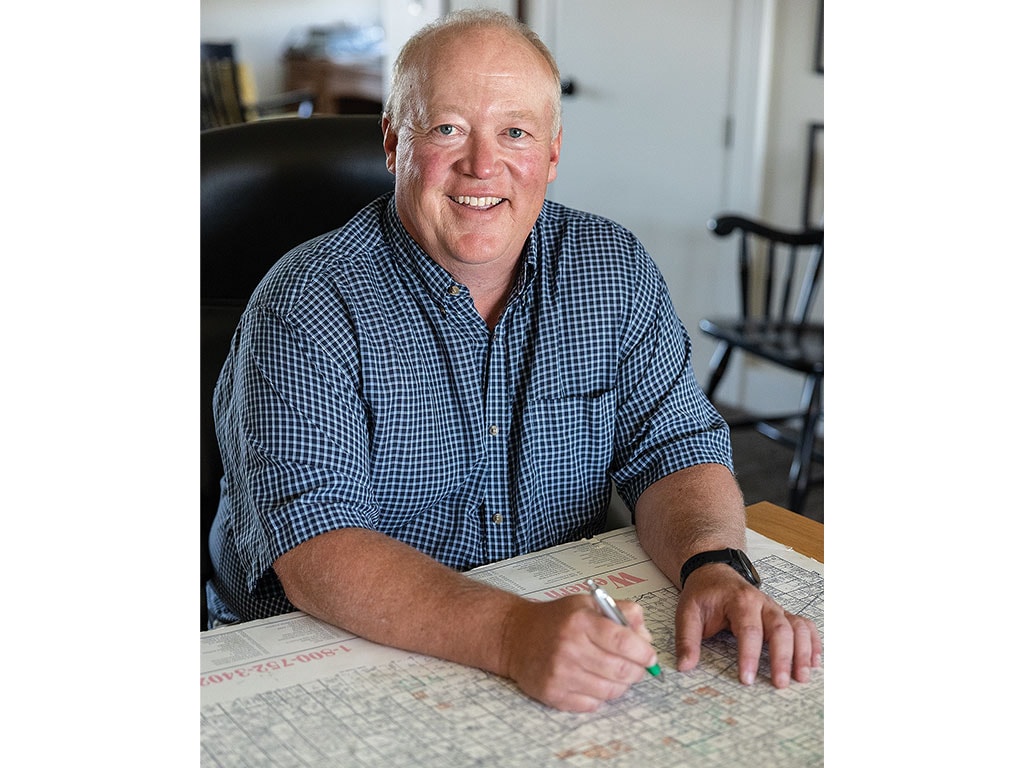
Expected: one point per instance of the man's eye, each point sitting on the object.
(516, 133)
(446, 129)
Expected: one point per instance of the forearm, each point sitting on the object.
(696, 509)
(388, 592)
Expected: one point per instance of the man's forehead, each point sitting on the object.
(481, 71)
(507, 54)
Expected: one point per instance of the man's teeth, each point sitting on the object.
(477, 201)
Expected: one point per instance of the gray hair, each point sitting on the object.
(403, 79)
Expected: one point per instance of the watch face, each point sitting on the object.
(744, 562)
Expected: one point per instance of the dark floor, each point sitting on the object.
(762, 469)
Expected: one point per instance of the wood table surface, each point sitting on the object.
(804, 535)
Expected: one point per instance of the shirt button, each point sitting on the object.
(492, 430)
(496, 518)
(453, 290)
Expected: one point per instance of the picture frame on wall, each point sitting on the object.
(814, 186)
(819, 43)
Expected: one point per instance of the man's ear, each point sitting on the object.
(556, 152)
(390, 142)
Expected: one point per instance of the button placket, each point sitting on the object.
(500, 536)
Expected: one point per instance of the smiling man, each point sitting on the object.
(456, 377)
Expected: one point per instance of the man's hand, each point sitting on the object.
(700, 509)
(715, 597)
(568, 655)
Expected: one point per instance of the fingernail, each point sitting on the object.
(747, 678)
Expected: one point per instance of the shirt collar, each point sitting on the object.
(434, 276)
(407, 251)
(527, 266)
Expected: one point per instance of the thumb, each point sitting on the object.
(689, 634)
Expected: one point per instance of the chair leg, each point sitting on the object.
(719, 361)
(803, 457)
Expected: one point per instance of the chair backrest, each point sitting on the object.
(265, 187)
(777, 287)
(269, 185)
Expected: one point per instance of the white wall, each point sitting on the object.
(262, 29)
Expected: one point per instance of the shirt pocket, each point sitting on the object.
(567, 447)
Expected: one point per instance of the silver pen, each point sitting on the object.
(611, 610)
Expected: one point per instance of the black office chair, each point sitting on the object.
(777, 292)
(264, 188)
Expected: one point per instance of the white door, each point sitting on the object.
(645, 130)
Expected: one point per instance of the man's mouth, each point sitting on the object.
(477, 202)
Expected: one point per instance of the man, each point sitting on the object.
(454, 378)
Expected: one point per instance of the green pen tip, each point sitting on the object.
(655, 670)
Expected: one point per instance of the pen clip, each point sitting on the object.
(606, 603)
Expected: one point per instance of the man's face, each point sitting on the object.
(473, 152)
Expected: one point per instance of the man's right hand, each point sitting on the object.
(568, 655)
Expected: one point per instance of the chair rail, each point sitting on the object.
(724, 225)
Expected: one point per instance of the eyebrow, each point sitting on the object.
(519, 114)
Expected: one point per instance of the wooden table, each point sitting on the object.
(804, 535)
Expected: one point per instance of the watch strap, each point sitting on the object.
(735, 558)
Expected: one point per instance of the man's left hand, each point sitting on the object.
(715, 597)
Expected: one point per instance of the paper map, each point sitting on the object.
(293, 691)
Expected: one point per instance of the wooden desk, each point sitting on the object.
(804, 535)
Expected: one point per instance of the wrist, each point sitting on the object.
(510, 635)
(734, 558)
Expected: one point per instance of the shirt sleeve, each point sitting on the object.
(664, 420)
(293, 436)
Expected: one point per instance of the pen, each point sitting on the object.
(611, 610)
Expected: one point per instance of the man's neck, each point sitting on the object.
(490, 295)
(490, 285)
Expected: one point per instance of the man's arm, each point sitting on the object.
(563, 653)
(699, 509)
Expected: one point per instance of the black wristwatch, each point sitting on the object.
(736, 558)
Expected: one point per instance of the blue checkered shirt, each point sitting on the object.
(362, 389)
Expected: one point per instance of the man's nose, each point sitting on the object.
(483, 157)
